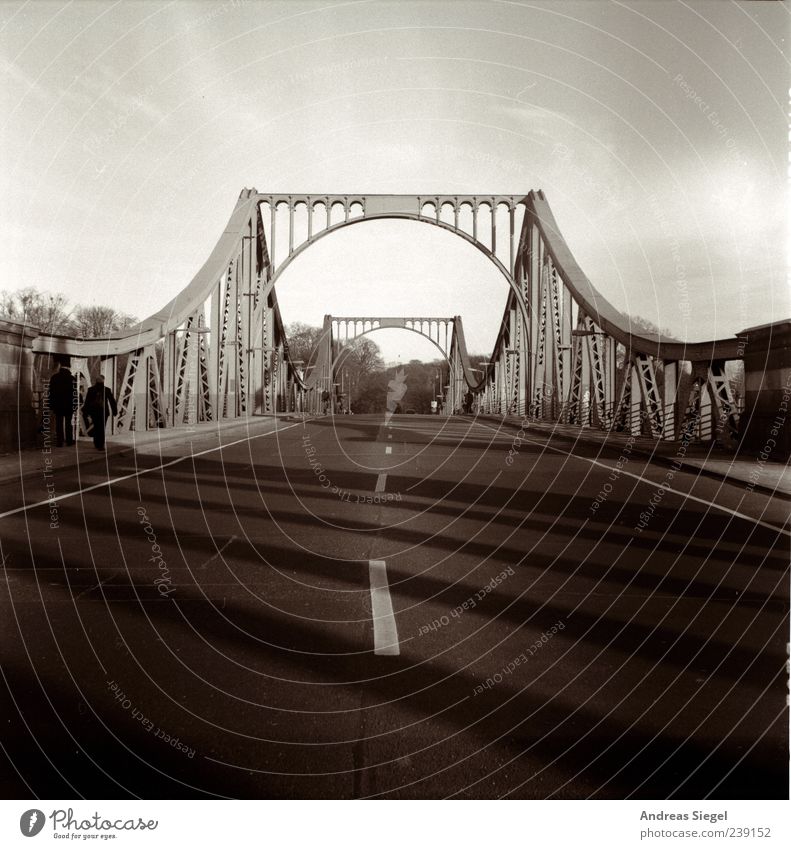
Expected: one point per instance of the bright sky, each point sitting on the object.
(658, 131)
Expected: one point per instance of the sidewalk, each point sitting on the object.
(769, 477)
(16, 465)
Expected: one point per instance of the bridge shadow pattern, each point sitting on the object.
(653, 664)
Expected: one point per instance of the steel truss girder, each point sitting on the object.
(690, 426)
(558, 349)
(126, 397)
(540, 352)
(156, 413)
(537, 360)
(602, 406)
(653, 406)
(640, 408)
(575, 414)
(727, 414)
(710, 411)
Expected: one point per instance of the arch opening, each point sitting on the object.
(396, 266)
(424, 378)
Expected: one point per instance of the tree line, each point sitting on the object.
(50, 312)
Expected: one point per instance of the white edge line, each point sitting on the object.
(721, 507)
(63, 497)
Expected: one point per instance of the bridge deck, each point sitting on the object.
(206, 625)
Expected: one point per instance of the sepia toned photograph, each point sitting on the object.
(394, 405)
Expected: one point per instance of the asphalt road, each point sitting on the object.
(340, 608)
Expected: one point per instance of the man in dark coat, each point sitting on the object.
(468, 401)
(99, 404)
(63, 403)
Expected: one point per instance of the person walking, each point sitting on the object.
(468, 399)
(99, 404)
(63, 402)
(325, 400)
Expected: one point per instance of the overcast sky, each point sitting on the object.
(129, 128)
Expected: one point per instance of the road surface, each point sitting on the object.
(425, 608)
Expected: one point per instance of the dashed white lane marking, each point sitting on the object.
(385, 630)
(142, 472)
(380, 482)
(777, 529)
(389, 449)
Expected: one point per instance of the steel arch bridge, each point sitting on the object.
(219, 350)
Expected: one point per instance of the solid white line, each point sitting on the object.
(60, 498)
(385, 631)
(380, 482)
(388, 450)
(721, 507)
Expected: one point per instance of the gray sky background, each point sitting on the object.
(658, 131)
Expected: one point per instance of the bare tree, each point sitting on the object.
(364, 355)
(49, 313)
(46, 311)
(303, 340)
(97, 321)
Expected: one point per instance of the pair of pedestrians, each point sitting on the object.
(99, 404)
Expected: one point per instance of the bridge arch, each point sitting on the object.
(491, 255)
(378, 326)
(446, 355)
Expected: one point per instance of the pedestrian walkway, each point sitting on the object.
(763, 475)
(46, 456)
